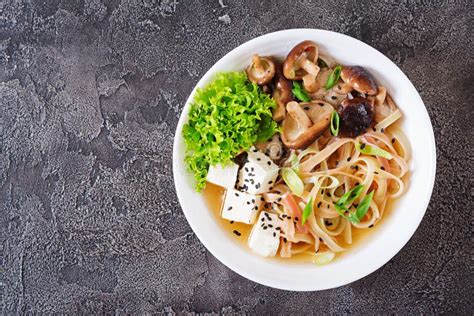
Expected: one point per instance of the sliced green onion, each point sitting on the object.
(323, 258)
(308, 209)
(350, 196)
(299, 92)
(292, 180)
(334, 123)
(364, 206)
(373, 150)
(322, 63)
(333, 77)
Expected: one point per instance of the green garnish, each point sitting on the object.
(333, 77)
(363, 206)
(373, 150)
(299, 92)
(334, 123)
(322, 63)
(323, 258)
(343, 203)
(227, 116)
(350, 196)
(292, 180)
(308, 209)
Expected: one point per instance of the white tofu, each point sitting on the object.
(264, 238)
(224, 176)
(241, 207)
(258, 174)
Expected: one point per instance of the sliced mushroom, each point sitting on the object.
(359, 79)
(384, 105)
(301, 64)
(261, 70)
(356, 115)
(281, 94)
(305, 123)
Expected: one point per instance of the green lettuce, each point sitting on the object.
(227, 116)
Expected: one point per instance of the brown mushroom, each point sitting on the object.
(356, 115)
(359, 79)
(261, 70)
(301, 64)
(281, 94)
(384, 105)
(305, 123)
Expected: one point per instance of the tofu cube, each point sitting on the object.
(241, 207)
(264, 238)
(258, 174)
(223, 175)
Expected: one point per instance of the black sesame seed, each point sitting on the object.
(320, 239)
(248, 202)
(277, 228)
(284, 239)
(362, 146)
(255, 208)
(246, 169)
(252, 169)
(232, 222)
(263, 224)
(319, 204)
(306, 108)
(264, 227)
(289, 217)
(357, 167)
(246, 180)
(274, 234)
(348, 158)
(393, 140)
(370, 226)
(253, 200)
(322, 191)
(230, 207)
(321, 104)
(334, 97)
(237, 232)
(328, 194)
(262, 199)
(373, 128)
(382, 130)
(269, 163)
(270, 182)
(270, 225)
(236, 194)
(357, 183)
(382, 168)
(258, 159)
(255, 150)
(263, 219)
(279, 199)
(376, 172)
(284, 216)
(296, 218)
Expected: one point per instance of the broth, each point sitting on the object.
(214, 196)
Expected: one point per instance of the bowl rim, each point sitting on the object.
(265, 281)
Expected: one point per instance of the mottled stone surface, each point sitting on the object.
(90, 96)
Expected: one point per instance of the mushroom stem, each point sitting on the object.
(308, 66)
(299, 115)
(309, 83)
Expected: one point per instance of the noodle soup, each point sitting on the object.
(297, 159)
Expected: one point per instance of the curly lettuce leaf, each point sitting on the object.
(227, 116)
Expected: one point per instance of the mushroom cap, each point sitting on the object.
(360, 79)
(356, 115)
(297, 132)
(261, 70)
(281, 94)
(291, 67)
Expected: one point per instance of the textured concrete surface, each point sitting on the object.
(91, 92)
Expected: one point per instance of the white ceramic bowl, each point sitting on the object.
(397, 228)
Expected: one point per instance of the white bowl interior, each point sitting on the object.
(397, 228)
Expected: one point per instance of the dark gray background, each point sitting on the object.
(91, 92)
